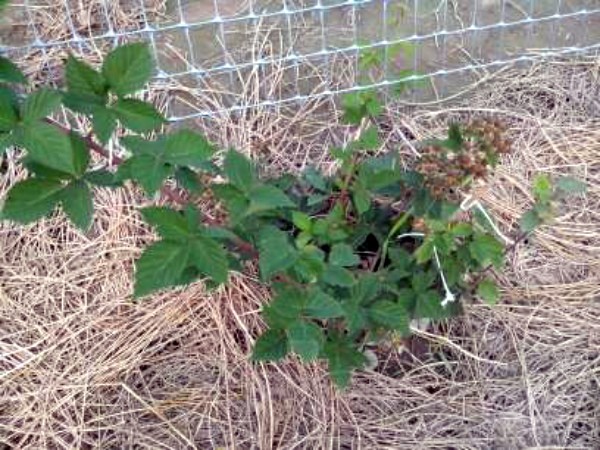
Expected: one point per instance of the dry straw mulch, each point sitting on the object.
(82, 366)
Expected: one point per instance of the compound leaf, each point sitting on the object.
(169, 223)
(276, 253)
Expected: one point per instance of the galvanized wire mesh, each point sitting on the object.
(386, 43)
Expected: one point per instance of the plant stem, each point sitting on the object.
(397, 225)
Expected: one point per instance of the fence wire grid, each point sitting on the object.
(426, 47)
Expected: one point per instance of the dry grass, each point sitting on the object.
(82, 366)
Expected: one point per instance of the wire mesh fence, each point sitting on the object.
(419, 48)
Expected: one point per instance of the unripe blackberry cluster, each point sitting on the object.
(447, 166)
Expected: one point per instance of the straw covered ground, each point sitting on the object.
(84, 367)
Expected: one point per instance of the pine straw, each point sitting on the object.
(85, 367)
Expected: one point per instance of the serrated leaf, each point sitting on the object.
(488, 291)
(102, 177)
(265, 198)
(486, 250)
(315, 179)
(128, 68)
(104, 122)
(83, 78)
(170, 224)
(390, 315)
(210, 258)
(276, 253)
(187, 148)
(77, 204)
(137, 115)
(31, 199)
(160, 266)
(343, 359)
(542, 188)
(323, 306)
(530, 221)
(84, 103)
(286, 308)
(150, 172)
(369, 139)
(48, 146)
(239, 170)
(9, 72)
(41, 171)
(234, 200)
(272, 345)
(41, 104)
(9, 116)
(571, 185)
(343, 255)
(338, 276)
(305, 339)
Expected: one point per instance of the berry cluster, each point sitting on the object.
(449, 165)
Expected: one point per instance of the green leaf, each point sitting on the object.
(343, 255)
(137, 115)
(77, 203)
(235, 201)
(571, 185)
(424, 252)
(239, 170)
(31, 199)
(276, 253)
(361, 198)
(160, 266)
(150, 172)
(128, 68)
(169, 223)
(41, 171)
(305, 339)
(189, 180)
(530, 221)
(338, 276)
(301, 221)
(9, 72)
(272, 345)
(9, 116)
(323, 306)
(266, 197)
(48, 146)
(462, 229)
(486, 249)
(83, 78)
(429, 306)
(83, 102)
(286, 308)
(390, 315)
(542, 188)
(488, 291)
(104, 121)
(102, 177)
(187, 148)
(343, 359)
(81, 154)
(41, 104)
(210, 258)
(455, 139)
